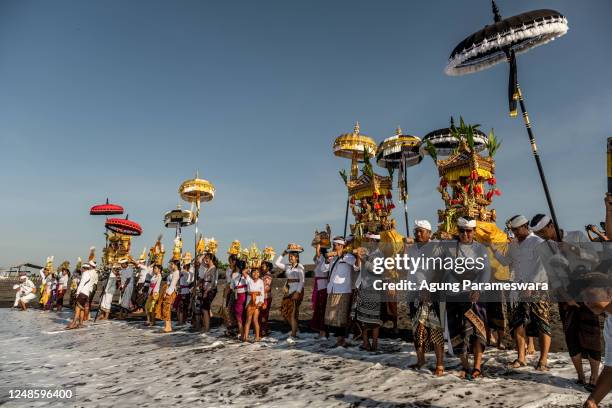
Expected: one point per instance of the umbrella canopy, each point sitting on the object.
(178, 218)
(197, 190)
(391, 150)
(445, 143)
(354, 145)
(123, 226)
(493, 43)
(106, 209)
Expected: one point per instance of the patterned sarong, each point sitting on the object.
(534, 316)
(291, 308)
(338, 309)
(466, 324)
(368, 306)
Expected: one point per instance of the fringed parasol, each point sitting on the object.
(504, 39)
(123, 226)
(106, 209)
(400, 152)
(357, 147)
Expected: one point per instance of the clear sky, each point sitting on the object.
(126, 99)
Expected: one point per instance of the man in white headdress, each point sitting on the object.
(109, 291)
(531, 315)
(427, 328)
(84, 293)
(25, 291)
(466, 315)
(127, 286)
(339, 290)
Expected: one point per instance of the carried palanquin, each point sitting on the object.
(370, 197)
(467, 179)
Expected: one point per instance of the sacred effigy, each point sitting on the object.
(467, 178)
(370, 194)
(467, 184)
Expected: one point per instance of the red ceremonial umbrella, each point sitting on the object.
(106, 209)
(123, 226)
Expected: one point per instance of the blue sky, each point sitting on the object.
(127, 99)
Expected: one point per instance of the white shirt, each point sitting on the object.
(255, 286)
(172, 279)
(63, 282)
(476, 274)
(238, 283)
(209, 276)
(144, 271)
(155, 284)
(428, 250)
(321, 272)
(126, 274)
(88, 279)
(524, 261)
(341, 274)
(185, 280)
(26, 287)
(292, 272)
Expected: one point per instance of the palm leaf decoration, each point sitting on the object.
(493, 144)
(390, 170)
(344, 176)
(367, 165)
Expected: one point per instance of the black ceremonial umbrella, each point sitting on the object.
(501, 41)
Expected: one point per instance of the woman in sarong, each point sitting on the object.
(319, 291)
(170, 294)
(294, 288)
(228, 297)
(264, 313)
(239, 289)
(207, 279)
(254, 304)
(153, 295)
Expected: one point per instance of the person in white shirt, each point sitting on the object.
(466, 315)
(255, 301)
(238, 286)
(109, 291)
(127, 287)
(153, 294)
(139, 297)
(367, 308)
(264, 313)
(595, 290)
(183, 298)
(170, 294)
(208, 277)
(294, 288)
(62, 285)
(339, 290)
(319, 291)
(565, 260)
(531, 316)
(427, 330)
(25, 291)
(84, 291)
